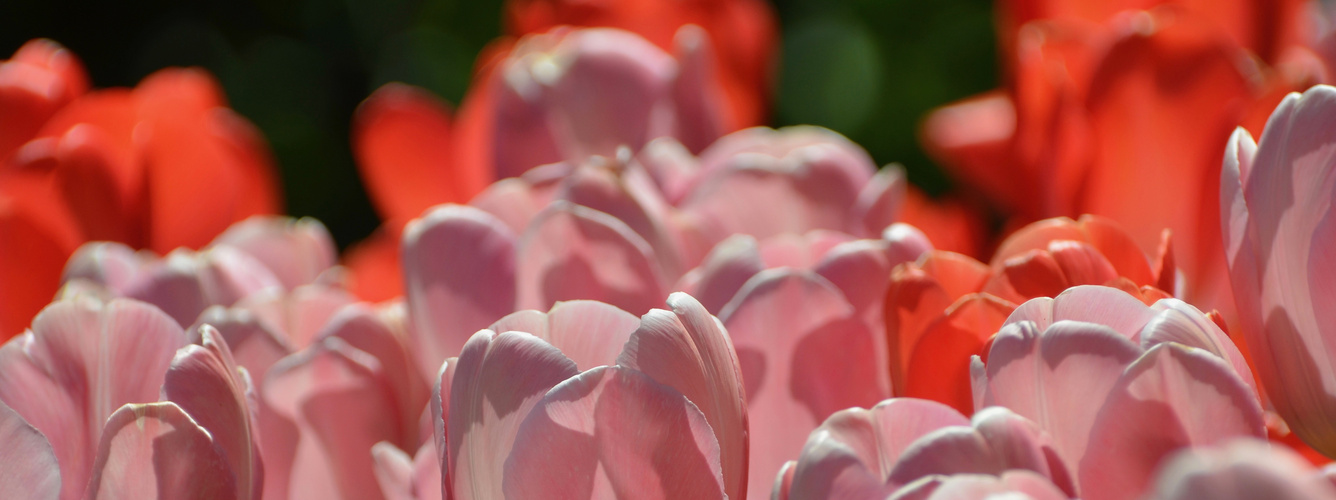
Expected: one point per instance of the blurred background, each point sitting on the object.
(869, 69)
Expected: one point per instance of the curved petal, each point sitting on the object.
(295, 250)
(996, 441)
(688, 349)
(613, 431)
(31, 471)
(803, 356)
(402, 140)
(66, 376)
(726, 268)
(498, 378)
(184, 283)
(938, 369)
(1172, 397)
(851, 454)
(204, 381)
(460, 276)
(588, 332)
(1240, 469)
(155, 450)
(337, 398)
(1058, 378)
(572, 252)
(1180, 322)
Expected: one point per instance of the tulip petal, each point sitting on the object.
(498, 378)
(851, 454)
(1239, 470)
(337, 397)
(459, 273)
(687, 349)
(1170, 398)
(31, 471)
(205, 383)
(613, 431)
(402, 140)
(997, 440)
(296, 317)
(803, 356)
(588, 332)
(1058, 378)
(1103, 305)
(156, 450)
(572, 252)
(726, 268)
(938, 369)
(66, 377)
(296, 251)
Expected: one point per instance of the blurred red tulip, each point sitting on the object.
(160, 166)
(742, 32)
(1122, 118)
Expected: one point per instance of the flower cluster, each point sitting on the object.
(599, 279)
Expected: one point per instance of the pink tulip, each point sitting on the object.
(103, 431)
(1274, 200)
(1118, 385)
(914, 448)
(666, 418)
(1239, 470)
(254, 255)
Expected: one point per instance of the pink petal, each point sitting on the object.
(394, 471)
(879, 201)
(600, 188)
(498, 378)
(184, 283)
(66, 376)
(727, 267)
(107, 263)
(295, 250)
(784, 481)
(697, 98)
(572, 252)
(336, 396)
(253, 344)
(155, 450)
(1180, 322)
(1172, 397)
(1281, 266)
(366, 331)
(803, 356)
(511, 201)
(588, 332)
(1058, 378)
(1018, 483)
(31, 470)
(687, 349)
(297, 316)
(459, 275)
(671, 166)
(851, 454)
(204, 382)
(998, 441)
(612, 431)
(1240, 470)
(440, 412)
(1103, 305)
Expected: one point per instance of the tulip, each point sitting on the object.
(127, 165)
(1090, 122)
(666, 418)
(742, 32)
(912, 448)
(1118, 385)
(103, 428)
(1240, 469)
(945, 307)
(1274, 194)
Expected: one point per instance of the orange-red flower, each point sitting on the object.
(743, 34)
(163, 165)
(946, 307)
(1116, 115)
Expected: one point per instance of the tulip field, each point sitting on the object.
(602, 274)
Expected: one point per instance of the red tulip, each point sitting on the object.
(160, 166)
(1117, 117)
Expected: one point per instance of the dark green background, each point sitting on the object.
(298, 68)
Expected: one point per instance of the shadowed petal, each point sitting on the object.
(156, 451)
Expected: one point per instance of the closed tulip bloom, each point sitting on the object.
(1275, 200)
